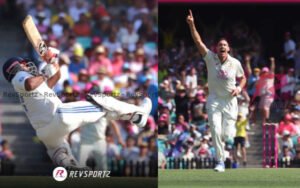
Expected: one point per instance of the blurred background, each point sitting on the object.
(255, 33)
(106, 46)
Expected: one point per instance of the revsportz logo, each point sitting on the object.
(60, 174)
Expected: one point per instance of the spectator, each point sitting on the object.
(198, 108)
(188, 154)
(6, 159)
(163, 127)
(265, 90)
(287, 125)
(83, 79)
(130, 38)
(59, 25)
(240, 137)
(203, 151)
(82, 28)
(40, 8)
(288, 84)
(102, 28)
(251, 88)
(285, 140)
(118, 61)
(62, 14)
(191, 81)
(138, 8)
(137, 64)
(104, 81)
(297, 61)
(72, 44)
(131, 151)
(289, 50)
(181, 101)
(42, 23)
(162, 162)
(152, 148)
(77, 61)
(113, 151)
(112, 44)
(100, 60)
(6, 152)
(182, 125)
(78, 9)
(286, 156)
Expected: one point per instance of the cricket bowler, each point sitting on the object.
(51, 118)
(222, 108)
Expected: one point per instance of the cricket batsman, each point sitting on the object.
(51, 118)
(222, 108)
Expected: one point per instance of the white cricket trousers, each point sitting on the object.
(97, 149)
(222, 114)
(68, 117)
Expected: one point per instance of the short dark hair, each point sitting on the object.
(222, 38)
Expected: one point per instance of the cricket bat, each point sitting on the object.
(34, 36)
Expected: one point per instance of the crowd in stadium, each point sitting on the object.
(272, 94)
(105, 47)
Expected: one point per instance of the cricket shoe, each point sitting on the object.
(120, 110)
(220, 167)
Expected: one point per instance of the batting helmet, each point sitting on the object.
(13, 65)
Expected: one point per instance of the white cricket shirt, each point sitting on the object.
(222, 76)
(39, 104)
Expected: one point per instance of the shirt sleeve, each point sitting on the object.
(239, 71)
(19, 80)
(208, 57)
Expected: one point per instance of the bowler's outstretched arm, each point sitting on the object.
(196, 37)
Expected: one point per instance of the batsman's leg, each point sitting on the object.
(61, 155)
(121, 110)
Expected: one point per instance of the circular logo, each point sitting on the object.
(60, 174)
(42, 48)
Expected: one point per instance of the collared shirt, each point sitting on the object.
(222, 76)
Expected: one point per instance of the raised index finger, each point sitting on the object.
(191, 14)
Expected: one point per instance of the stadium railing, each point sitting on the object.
(133, 168)
(194, 163)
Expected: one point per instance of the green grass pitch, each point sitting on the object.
(43, 181)
(229, 178)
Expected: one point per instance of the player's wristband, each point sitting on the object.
(239, 88)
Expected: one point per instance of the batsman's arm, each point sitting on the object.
(52, 71)
(53, 80)
(196, 37)
(33, 82)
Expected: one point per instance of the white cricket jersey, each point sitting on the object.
(39, 104)
(222, 76)
(94, 132)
